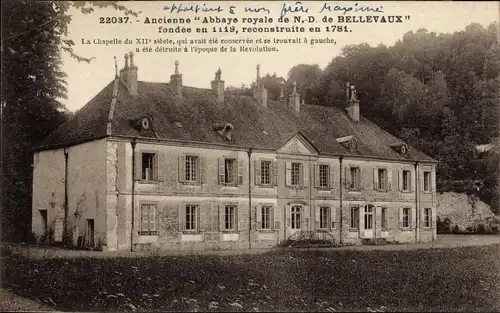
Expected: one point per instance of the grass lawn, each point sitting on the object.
(458, 279)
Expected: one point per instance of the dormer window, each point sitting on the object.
(349, 143)
(178, 124)
(400, 148)
(144, 123)
(225, 130)
(353, 145)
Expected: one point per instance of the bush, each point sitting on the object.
(443, 226)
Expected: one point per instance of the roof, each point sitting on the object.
(255, 126)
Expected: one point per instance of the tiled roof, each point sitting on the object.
(255, 126)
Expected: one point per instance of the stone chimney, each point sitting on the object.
(352, 102)
(218, 86)
(295, 98)
(282, 91)
(128, 74)
(176, 80)
(260, 92)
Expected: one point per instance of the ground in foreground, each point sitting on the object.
(458, 279)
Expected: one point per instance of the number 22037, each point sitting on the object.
(114, 20)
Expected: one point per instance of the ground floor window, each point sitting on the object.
(354, 217)
(266, 217)
(368, 217)
(324, 217)
(427, 217)
(190, 217)
(148, 218)
(406, 217)
(230, 217)
(384, 216)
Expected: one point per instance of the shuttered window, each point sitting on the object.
(148, 219)
(191, 168)
(354, 217)
(406, 218)
(266, 212)
(324, 171)
(230, 217)
(191, 217)
(427, 181)
(296, 174)
(148, 166)
(265, 173)
(324, 217)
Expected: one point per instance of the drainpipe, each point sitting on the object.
(417, 202)
(340, 191)
(249, 152)
(133, 196)
(65, 236)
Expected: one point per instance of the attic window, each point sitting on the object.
(144, 123)
(225, 130)
(401, 148)
(348, 142)
(178, 124)
(265, 133)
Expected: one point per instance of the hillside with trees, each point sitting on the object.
(438, 92)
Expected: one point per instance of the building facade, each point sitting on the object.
(165, 166)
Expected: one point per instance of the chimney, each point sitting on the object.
(282, 91)
(295, 98)
(128, 74)
(352, 103)
(176, 80)
(260, 92)
(218, 86)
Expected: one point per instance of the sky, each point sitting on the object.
(85, 80)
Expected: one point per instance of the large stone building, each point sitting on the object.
(160, 165)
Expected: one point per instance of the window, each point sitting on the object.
(296, 210)
(265, 178)
(148, 218)
(406, 180)
(191, 214)
(148, 165)
(354, 217)
(382, 179)
(191, 168)
(230, 171)
(324, 217)
(406, 217)
(427, 217)
(355, 175)
(368, 217)
(324, 171)
(230, 217)
(266, 217)
(427, 181)
(384, 218)
(296, 171)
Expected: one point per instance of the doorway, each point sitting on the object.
(90, 232)
(368, 221)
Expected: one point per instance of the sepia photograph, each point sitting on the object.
(250, 156)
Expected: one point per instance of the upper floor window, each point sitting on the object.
(296, 174)
(148, 166)
(148, 219)
(265, 167)
(355, 178)
(229, 171)
(324, 171)
(427, 181)
(191, 168)
(406, 184)
(382, 179)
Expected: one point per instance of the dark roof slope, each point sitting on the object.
(254, 125)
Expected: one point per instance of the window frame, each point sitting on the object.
(407, 181)
(299, 175)
(233, 220)
(384, 181)
(196, 169)
(263, 220)
(428, 175)
(354, 179)
(427, 222)
(269, 171)
(294, 222)
(154, 166)
(325, 176)
(234, 171)
(406, 213)
(384, 217)
(328, 221)
(149, 231)
(195, 217)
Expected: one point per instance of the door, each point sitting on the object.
(90, 232)
(43, 214)
(294, 220)
(368, 222)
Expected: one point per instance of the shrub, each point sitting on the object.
(443, 226)
(481, 229)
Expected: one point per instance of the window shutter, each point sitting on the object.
(258, 215)
(221, 209)
(237, 220)
(422, 218)
(433, 180)
(181, 219)
(318, 217)
(182, 168)
(316, 175)
(400, 218)
(202, 170)
(412, 180)
(378, 217)
(305, 174)
(361, 212)
(375, 179)
(411, 217)
(421, 180)
(152, 217)
(432, 218)
(288, 174)
(287, 214)
(201, 217)
(389, 179)
(257, 164)
(400, 180)
(161, 163)
(138, 166)
(275, 173)
(333, 216)
(347, 178)
(333, 184)
(277, 217)
(241, 169)
(361, 178)
(222, 176)
(144, 217)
